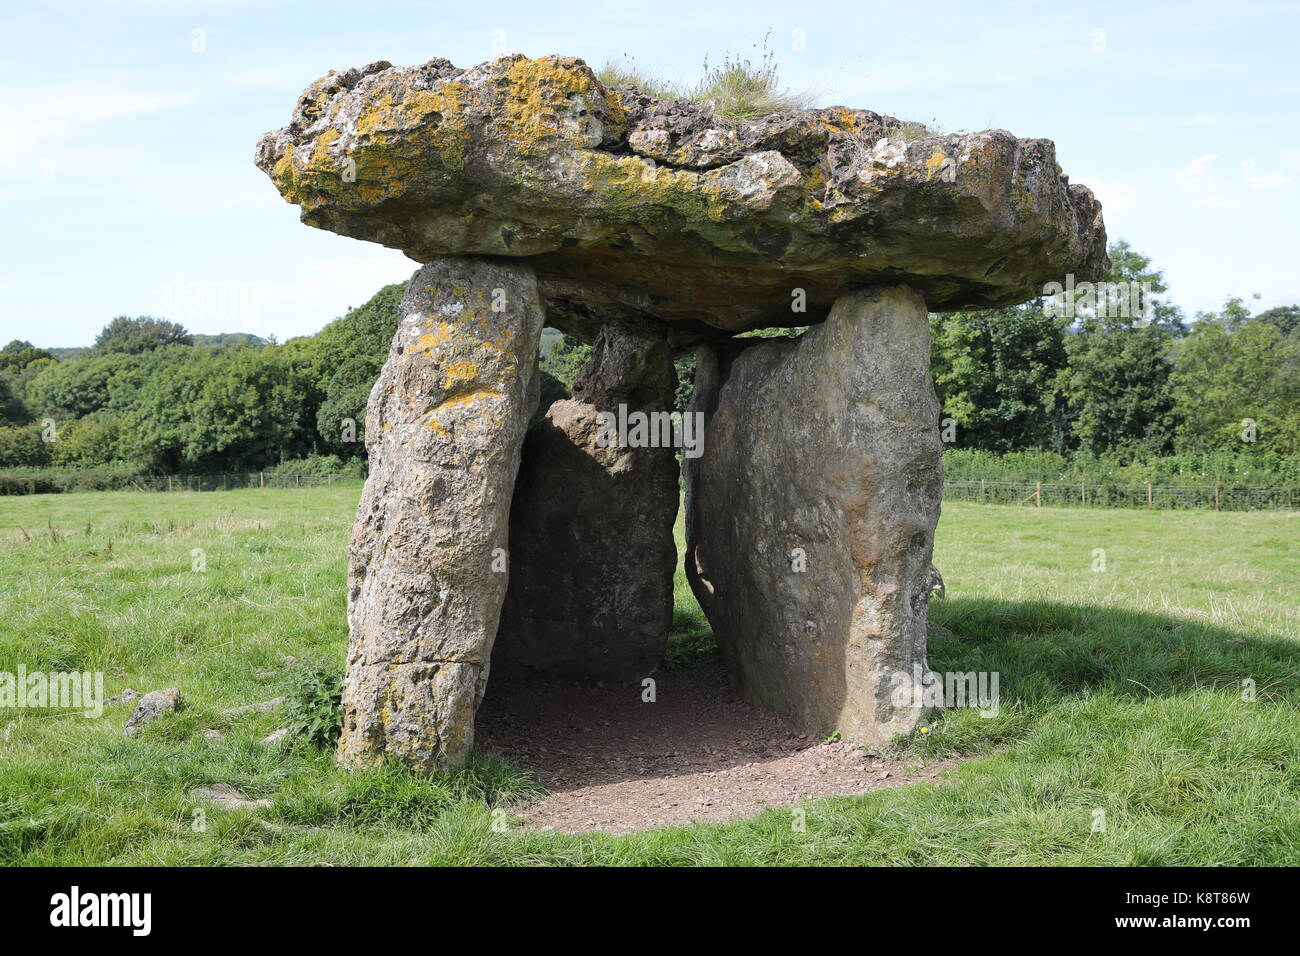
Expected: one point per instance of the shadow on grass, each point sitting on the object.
(1048, 657)
(1047, 653)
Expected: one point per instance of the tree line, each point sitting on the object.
(1078, 382)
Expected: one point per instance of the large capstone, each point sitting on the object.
(666, 206)
(811, 515)
(591, 529)
(428, 559)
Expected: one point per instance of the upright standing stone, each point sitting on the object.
(811, 516)
(427, 563)
(591, 528)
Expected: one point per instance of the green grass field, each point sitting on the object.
(1121, 692)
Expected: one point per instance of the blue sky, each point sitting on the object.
(127, 130)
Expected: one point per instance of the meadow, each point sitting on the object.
(1149, 662)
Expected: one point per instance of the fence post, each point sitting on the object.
(1083, 493)
(261, 479)
(1038, 493)
(1148, 494)
(169, 482)
(1216, 497)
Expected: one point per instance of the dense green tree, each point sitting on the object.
(12, 410)
(1237, 384)
(346, 357)
(85, 443)
(1115, 387)
(1066, 374)
(238, 340)
(76, 388)
(132, 335)
(17, 355)
(222, 411)
(995, 374)
(23, 446)
(20, 362)
(341, 417)
(565, 360)
(684, 367)
(551, 390)
(365, 330)
(1286, 318)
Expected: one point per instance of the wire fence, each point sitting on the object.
(1102, 495)
(225, 482)
(1026, 493)
(1029, 493)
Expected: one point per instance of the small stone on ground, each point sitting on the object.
(227, 798)
(152, 706)
(276, 738)
(263, 707)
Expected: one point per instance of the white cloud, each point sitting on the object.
(1202, 187)
(1195, 170)
(37, 122)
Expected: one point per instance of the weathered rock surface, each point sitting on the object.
(444, 427)
(670, 208)
(591, 528)
(226, 797)
(262, 707)
(276, 738)
(820, 454)
(152, 706)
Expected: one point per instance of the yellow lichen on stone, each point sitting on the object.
(538, 102)
(467, 398)
(814, 187)
(387, 120)
(460, 373)
(431, 340)
(934, 165)
(629, 193)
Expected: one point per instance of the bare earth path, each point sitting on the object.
(611, 762)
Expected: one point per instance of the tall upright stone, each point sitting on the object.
(427, 563)
(811, 515)
(591, 528)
